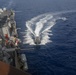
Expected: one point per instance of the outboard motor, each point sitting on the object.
(37, 40)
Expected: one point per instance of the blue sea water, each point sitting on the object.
(59, 56)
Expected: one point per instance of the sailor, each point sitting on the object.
(16, 43)
(6, 36)
(12, 38)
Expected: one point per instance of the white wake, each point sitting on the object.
(9, 4)
(40, 26)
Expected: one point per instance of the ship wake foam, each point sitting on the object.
(9, 4)
(40, 26)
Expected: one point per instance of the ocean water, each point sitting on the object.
(54, 21)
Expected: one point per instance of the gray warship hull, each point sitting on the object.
(9, 41)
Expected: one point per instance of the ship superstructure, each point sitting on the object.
(9, 41)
